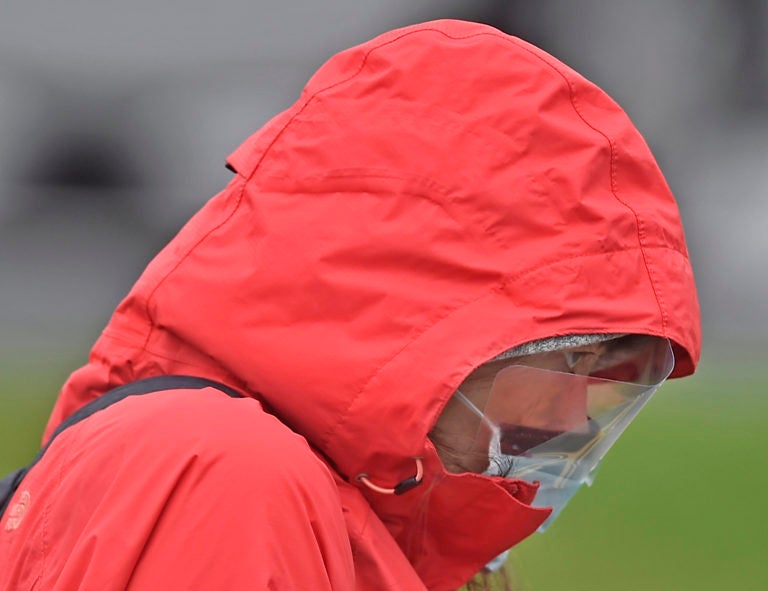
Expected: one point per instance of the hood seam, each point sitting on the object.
(148, 302)
(639, 224)
(572, 95)
(498, 287)
(363, 62)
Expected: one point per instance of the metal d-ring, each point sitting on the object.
(399, 488)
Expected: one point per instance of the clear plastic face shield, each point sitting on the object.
(551, 417)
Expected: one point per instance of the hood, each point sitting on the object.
(436, 196)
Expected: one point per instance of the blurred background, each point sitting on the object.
(116, 118)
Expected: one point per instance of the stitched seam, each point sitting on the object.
(572, 96)
(147, 305)
(614, 185)
(447, 206)
(43, 541)
(615, 192)
(549, 263)
(351, 77)
(152, 324)
(396, 175)
(63, 467)
(342, 416)
(497, 288)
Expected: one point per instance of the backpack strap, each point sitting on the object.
(10, 483)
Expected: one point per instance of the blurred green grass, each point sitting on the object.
(27, 395)
(678, 505)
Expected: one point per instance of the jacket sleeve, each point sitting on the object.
(180, 490)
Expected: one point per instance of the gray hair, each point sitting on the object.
(555, 344)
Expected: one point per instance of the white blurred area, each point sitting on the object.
(116, 118)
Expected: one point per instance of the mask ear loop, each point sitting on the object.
(494, 447)
(471, 406)
(402, 487)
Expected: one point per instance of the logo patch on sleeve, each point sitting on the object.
(17, 510)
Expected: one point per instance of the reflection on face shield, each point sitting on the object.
(551, 417)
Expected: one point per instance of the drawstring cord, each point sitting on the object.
(400, 488)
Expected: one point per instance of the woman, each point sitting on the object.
(444, 279)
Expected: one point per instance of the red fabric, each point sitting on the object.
(436, 196)
(163, 491)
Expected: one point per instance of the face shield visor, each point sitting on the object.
(551, 417)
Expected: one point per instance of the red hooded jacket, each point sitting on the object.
(436, 196)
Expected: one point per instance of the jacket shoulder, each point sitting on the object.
(194, 489)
